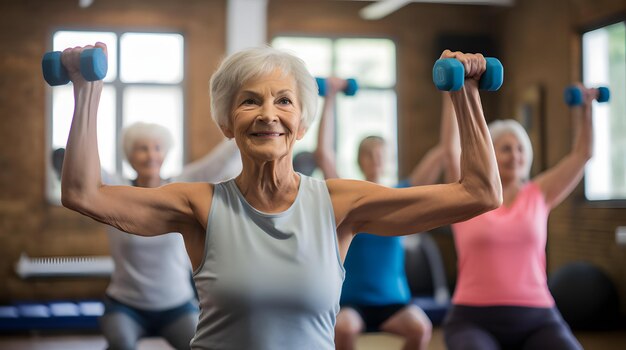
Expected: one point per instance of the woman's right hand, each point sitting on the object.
(475, 64)
(70, 58)
(334, 85)
(588, 94)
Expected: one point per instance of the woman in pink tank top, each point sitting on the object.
(502, 298)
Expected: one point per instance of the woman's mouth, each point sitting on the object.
(267, 134)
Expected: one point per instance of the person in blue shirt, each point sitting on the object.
(375, 295)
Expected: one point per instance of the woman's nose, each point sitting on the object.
(267, 114)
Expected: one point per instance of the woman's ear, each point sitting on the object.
(301, 132)
(227, 132)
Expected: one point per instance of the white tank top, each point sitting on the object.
(269, 281)
(151, 273)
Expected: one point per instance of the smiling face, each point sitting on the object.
(510, 157)
(146, 157)
(266, 117)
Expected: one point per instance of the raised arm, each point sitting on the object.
(325, 151)
(429, 168)
(445, 156)
(559, 181)
(365, 207)
(130, 209)
(222, 163)
(450, 139)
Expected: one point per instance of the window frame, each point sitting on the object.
(582, 197)
(333, 39)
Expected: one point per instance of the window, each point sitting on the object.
(372, 111)
(604, 64)
(143, 83)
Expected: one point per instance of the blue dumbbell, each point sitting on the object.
(93, 66)
(351, 88)
(574, 96)
(449, 75)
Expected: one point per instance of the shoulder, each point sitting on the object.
(532, 189)
(533, 196)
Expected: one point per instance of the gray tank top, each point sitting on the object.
(269, 281)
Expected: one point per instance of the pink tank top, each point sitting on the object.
(501, 254)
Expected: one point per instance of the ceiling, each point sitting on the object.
(381, 8)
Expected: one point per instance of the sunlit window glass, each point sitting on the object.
(151, 58)
(604, 64)
(372, 62)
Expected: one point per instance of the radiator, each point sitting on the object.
(70, 266)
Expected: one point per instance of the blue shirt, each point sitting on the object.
(375, 273)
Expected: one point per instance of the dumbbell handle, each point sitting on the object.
(93, 66)
(351, 86)
(449, 74)
(574, 96)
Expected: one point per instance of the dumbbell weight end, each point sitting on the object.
(93, 66)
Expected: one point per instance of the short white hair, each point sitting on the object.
(498, 128)
(252, 63)
(141, 130)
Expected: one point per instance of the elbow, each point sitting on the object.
(70, 200)
(494, 202)
(75, 200)
(492, 197)
(485, 203)
(487, 197)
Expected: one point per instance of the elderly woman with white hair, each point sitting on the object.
(267, 247)
(150, 292)
(501, 299)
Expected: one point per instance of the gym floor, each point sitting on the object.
(606, 340)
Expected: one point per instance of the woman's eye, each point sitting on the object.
(248, 101)
(284, 101)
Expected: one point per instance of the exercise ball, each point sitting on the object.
(585, 296)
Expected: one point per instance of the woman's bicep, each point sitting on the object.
(395, 212)
(143, 211)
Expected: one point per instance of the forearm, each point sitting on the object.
(324, 153)
(428, 170)
(449, 140)
(478, 168)
(583, 144)
(81, 166)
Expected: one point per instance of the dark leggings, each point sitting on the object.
(507, 327)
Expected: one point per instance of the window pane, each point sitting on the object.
(315, 52)
(604, 64)
(65, 39)
(371, 61)
(154, 58)
(62, 111)
(160, 105)
(369, 112)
